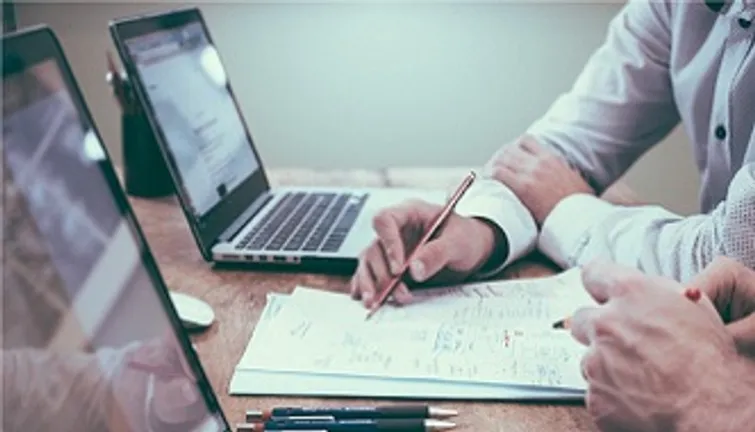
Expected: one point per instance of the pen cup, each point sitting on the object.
(144, 171)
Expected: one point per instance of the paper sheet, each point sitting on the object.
(476, 334)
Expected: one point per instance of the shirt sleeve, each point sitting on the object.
(492, 201)
(582, 228)
(622, 103)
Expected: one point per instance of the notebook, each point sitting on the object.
(475, 341)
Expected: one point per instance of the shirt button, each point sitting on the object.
(720, 132)
(745, 24)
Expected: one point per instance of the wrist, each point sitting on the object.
(495, 249)
(727, 394)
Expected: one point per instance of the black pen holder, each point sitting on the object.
(144, 171)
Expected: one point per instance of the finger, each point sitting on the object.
(401, 295)
(507, 176)
(743, 332)
(516, 159)
(717, 281)
(176, 401)
(605, 280)
(379, 272)
(582, 324)
(430, 259)
(589, 364)
(389, 223)
(362, 284)
(529, 145)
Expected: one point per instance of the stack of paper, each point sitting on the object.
(476, 341)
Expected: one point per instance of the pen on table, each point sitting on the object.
(351, 425)
(693, 294)
(418, 411)
(434, 227)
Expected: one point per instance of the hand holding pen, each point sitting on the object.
(655, 346)
(461, 246)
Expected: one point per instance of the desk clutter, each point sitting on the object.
(479, 341)
(389, 418)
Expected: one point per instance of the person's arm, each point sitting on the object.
(620, 105)
(44, 390)
(582, 228)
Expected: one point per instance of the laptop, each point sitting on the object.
(91, 340)
(221, 182)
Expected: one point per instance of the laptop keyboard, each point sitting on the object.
(303, 221)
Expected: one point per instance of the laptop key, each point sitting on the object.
(291, 223)
(316, 239)
(342, 228)
(262, 223)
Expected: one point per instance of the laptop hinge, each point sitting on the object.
(241, 221)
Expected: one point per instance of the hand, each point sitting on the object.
(176, 403)
(538, 177)
(731, 287)
(462, 246)
(657, 361)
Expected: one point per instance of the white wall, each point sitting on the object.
(352, 84)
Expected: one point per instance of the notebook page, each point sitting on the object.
(297, 341)
(535, 303)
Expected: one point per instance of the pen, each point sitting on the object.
(359, 412)
(434, 227)
(693, 294)
(352, 425)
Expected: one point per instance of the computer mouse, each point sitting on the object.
(194, 313)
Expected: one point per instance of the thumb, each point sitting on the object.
(743, 332)
(430, 259)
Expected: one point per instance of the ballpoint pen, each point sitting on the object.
(417, 411)
(693, 294)
(352, 425)
(434, 227)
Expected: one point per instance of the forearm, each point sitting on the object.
(621, 104)
(657, 241)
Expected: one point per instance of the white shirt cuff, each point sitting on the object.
(493, 201)
(566, 230)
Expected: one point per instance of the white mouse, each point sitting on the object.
(195, 314)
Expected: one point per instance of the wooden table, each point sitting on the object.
(238, 298)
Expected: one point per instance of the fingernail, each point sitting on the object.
(395, 266)
(418, 270)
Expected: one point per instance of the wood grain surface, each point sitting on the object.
(238, 298)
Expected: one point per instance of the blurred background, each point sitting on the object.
(357, 84)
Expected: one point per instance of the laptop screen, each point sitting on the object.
(89, 341)
(186, 83)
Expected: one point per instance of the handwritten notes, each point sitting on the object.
(482, 333)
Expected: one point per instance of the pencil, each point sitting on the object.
(693, 294)
(439, 220)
